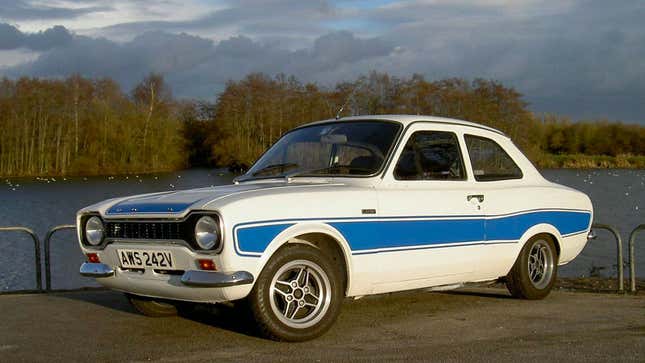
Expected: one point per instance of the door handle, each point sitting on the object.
(479, 197)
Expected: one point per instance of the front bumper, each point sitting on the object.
(215, 279)
(96, 270)
(188, 283)
(190, 278)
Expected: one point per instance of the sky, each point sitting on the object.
(580, 58)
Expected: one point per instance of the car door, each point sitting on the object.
(431, 211)
(510, 201)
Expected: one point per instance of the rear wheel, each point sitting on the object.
(535, 270)
(298, 294)
(151, 307)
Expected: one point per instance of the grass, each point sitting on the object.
(581, 161)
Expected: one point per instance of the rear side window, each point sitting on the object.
(490, 162)
(431, 155)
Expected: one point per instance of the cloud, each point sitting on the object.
(195, 66)
(250, 17)
(577, 57)
(12, 38)
(29, 10)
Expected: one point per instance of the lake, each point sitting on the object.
(42, 203)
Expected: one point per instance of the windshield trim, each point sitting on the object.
(384, 164)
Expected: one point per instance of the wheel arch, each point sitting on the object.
(317, 235)
(542, 228)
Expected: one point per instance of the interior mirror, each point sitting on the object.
(333, 139)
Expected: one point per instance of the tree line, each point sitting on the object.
(82, 126)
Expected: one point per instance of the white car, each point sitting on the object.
(343, 208)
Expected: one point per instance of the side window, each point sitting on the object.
(431, 155)
(490, 162)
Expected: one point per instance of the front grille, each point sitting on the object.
(145, 230)
(151, 230)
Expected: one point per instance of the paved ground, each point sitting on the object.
(471, 325)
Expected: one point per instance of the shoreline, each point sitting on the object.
(558, 162)
(582, 161)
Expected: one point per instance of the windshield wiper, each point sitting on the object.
(268, 168)
(321, 170)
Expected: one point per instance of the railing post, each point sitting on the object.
(34, 237)
(48, 274)
(619, 252)
(632, 258)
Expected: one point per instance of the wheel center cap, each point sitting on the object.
(298, 294)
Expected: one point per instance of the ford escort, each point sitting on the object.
(342, 208)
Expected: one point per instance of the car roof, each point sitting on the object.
(405, 120)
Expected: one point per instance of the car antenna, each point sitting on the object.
(349, 97)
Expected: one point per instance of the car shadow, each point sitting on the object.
(492, 293)
(231, 317)
(105, 298)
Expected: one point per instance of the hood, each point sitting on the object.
(178, 202)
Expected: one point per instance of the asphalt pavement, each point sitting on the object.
(463, 326)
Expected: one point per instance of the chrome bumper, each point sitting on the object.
(96, 270)
(216, 279)
(190, 278)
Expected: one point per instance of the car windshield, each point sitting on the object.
(357, 148)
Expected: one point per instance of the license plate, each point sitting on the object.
(162, 260)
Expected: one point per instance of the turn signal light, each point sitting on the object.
(93, 258)
(207, 265)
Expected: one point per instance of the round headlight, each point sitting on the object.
(94, 231)
(206, 232)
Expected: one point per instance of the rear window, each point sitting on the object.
(489, 161)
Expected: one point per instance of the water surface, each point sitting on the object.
(618, 197)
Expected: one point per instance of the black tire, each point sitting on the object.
(531, 282)
(151, 307)
(271, 309)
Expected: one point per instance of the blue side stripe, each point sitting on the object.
(365, 234)
(512, 228)
(375, 234)
(256, 239)
(428, 247)
(405, 217)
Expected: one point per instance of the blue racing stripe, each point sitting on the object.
(366, 234)
(512, 228)
(391, 234)
(126, 207)
(256, 239)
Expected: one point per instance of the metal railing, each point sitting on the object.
(34, 237)
(619, 252)
(48, 273)
(51, 232)
(632, 257)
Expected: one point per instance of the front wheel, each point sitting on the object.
(298, 294)
(535, 270)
